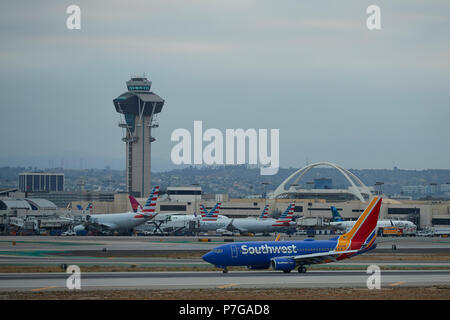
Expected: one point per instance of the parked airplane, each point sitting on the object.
(177, 222)
(265, 225)
(339, 223)
(213, 221)
(288, 255)
(122, 222)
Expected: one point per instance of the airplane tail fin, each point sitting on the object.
(213, 214)
(135, 205)
(150, 205)
(363, 233)
(89, 206)
(265, 213)
(336, 215)
(203, 211)
(288, 214)
(79, 207)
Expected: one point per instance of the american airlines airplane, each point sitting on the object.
(213, 221)
(339, 223)
(263, 224)
(122, 222)
(177, 222)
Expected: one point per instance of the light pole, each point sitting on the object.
(195, 199)
(265, 193)
(379, 183)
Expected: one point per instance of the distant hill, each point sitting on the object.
(236, 181)
(241, 180)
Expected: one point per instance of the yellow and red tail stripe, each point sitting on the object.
(363, 231)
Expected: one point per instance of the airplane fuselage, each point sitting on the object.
(221, 223)
(262, 225)
(344, 225)
(118, 221)
(258, 254)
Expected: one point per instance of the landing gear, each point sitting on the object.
(225, 270)
(301, 269)
(286, 271)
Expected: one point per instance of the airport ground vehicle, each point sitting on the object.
(69, 233)
(391, 231)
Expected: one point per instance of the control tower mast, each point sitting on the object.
(137, 107)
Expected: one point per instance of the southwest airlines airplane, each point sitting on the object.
(288, 255)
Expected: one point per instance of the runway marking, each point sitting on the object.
(227, 286)
(41, 289)
(397, 283)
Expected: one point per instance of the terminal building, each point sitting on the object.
(41, 182)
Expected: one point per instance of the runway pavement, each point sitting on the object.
(167, 262)
(183, 243)
(167, 251)
(164, 251)
(237, 279)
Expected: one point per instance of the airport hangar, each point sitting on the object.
(314, 203)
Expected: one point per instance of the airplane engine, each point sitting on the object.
(284, 264)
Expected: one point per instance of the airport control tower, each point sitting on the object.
(138, 107)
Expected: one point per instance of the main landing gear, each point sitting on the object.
(301, 269)
(225, 270)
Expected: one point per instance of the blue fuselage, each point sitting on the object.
(258, 254)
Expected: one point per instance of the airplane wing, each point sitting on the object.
(110, 226)
(321, 257)
(232, 227)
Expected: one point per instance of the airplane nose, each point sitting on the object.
(209, 257)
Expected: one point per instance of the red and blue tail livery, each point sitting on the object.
(265, 213)
(285, 219)
(149, 209)
(203, 211)
(297, 254)
(211, 215)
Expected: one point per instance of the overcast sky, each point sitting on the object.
(337, 91)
